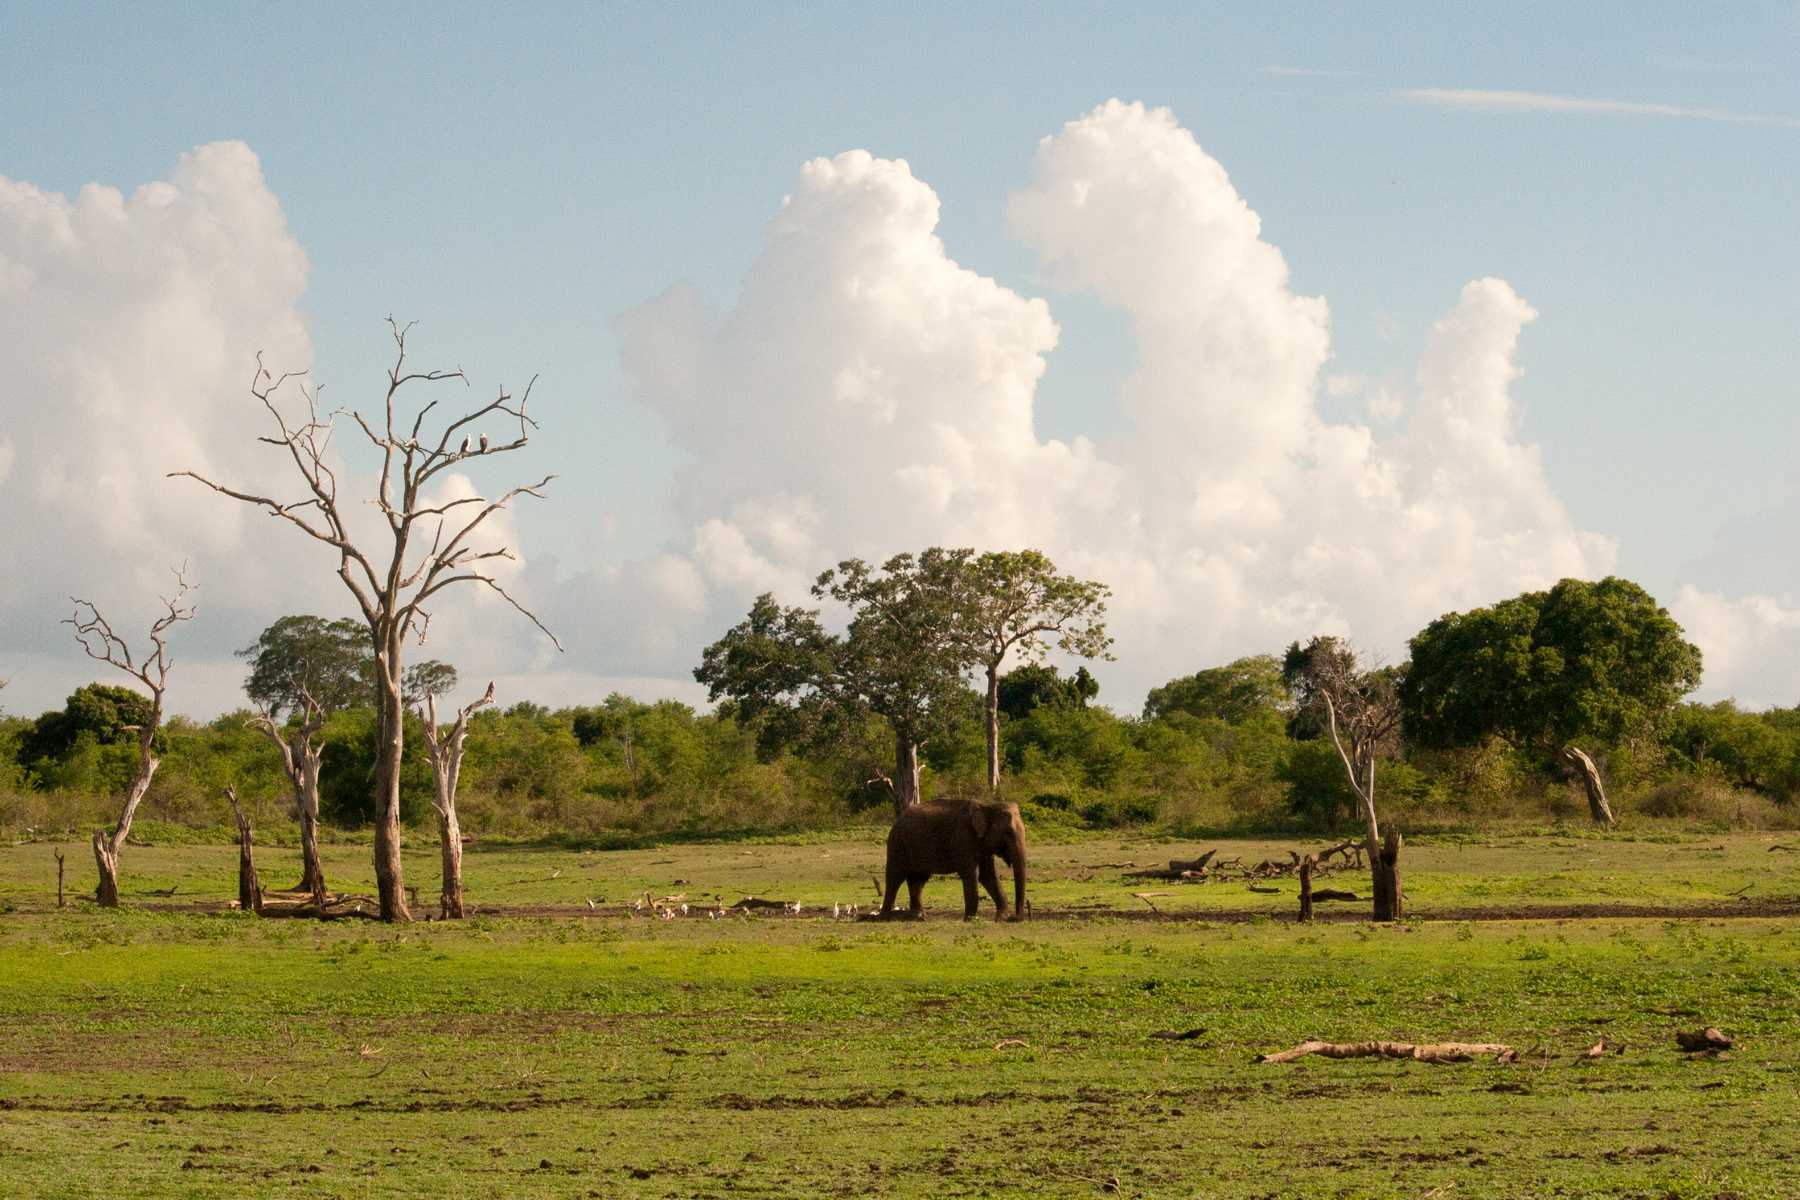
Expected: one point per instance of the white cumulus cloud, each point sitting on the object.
(1748, 644)
(129, 323)
(868, 394)
(864, 393)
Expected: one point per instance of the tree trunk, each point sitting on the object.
(1584, 766)
(445, 749)
(1306, 896)
(1384, 866)
(249, 890)
(312, 868)
(106, 892)
(906, 773)
(390, 883)
(993, 727)
(450, 833)
(108, 845)
(300, 763)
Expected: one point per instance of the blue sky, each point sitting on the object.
(518, 180)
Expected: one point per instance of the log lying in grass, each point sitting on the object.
(1703, 1041)
(336, 907)
(1435, 1052)
(1208, 867)
(1333, 894)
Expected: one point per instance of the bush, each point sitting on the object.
(1706, 801)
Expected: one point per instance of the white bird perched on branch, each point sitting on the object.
(465, 446)
(484, 443)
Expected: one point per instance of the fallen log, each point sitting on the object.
(1435, 1052)
(1193, 864)
(1333, 894)
(337, 907)
(1703, 1041)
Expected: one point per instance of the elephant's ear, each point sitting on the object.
(979, 816)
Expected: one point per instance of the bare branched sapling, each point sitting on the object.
(97, 638)
(445, 747)
(301, 751)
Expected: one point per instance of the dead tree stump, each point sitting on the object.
(249, 890)
(1384, 866)
(60, 902)
(1306, 896)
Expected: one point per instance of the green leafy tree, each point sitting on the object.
(1025, 689)
(1233, 693)
(1746, 749)
(104, 713)
(333, 663)
(901, 659)
(428, 680)
(1015, 601)
(303, 655)
(1583, 662)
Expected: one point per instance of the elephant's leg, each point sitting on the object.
(915, 885)
(971, 894)
(893, 889)
(990, 880)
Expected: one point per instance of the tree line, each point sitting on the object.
(937, 667)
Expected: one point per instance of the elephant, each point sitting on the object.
(959, 837)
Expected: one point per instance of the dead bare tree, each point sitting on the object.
(249, 889)
(428, 546)
(100, 643)
(445, 747)
(1361, 708)
(301, 750)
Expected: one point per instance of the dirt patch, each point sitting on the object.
(1786, 906)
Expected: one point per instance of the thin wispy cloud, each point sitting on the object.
(1502, 101)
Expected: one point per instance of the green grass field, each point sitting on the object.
(165, 1052)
